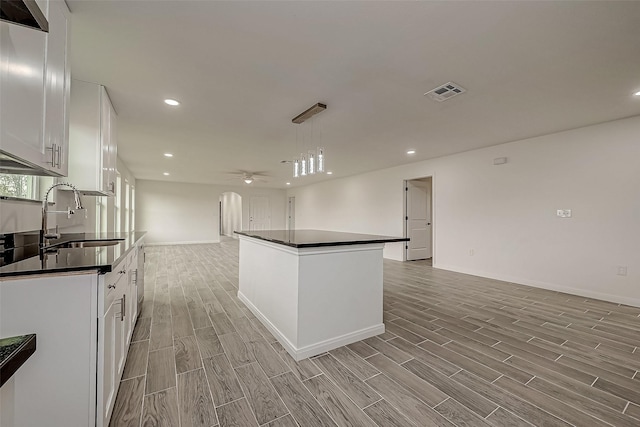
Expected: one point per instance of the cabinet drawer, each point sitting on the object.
(114, 283)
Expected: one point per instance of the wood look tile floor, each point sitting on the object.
(458, 350)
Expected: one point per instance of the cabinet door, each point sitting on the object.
(132, 302)
(105, 138)
(113, 147)
(56, 137)
(22, 79)
(140, 274)
(121, 335)
(108, 133)
(109, 351)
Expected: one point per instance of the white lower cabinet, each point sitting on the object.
(83, 324)
(108, 361)
(115, 328)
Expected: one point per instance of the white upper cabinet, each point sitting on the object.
(57, 88)
(92, 139)
(34, 94)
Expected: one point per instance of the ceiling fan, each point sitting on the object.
(249, 177)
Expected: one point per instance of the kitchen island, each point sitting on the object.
(314, 290)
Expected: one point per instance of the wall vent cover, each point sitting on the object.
(445, 91)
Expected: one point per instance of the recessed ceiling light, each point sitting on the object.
(637, 93)
(329, 173)
(288, 183)
(411, 152)
(166, 174)
(168, 155)
(171, 102)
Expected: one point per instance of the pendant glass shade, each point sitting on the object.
(303, 164)
(296, 168)
(312, 163)
(320, 160)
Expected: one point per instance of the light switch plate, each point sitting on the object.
(564, 213)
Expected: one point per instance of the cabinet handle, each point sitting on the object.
(59, 152)
(53, 154)
(111, 286)
(123, 307)
(122, 271)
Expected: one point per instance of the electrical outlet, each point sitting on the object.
(622, 270)
(564, 213)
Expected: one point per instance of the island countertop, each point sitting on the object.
(14, 352)
(318, 238)
(22, 261)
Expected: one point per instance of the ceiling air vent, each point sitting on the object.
(445, 91)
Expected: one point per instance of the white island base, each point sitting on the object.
(313, 299)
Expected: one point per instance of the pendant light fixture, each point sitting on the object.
(313, 161)
(320, 153)
(296, 168)
(303, 165)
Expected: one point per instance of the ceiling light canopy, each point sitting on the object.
(329, 173)
(248, 180)
(637, 93)
(165, 173)
(309, 112)
(171, 102)
(288, 183)
(411, 152)
(168, 155)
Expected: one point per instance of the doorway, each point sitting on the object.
(230, 213)
(259, 213)
(291, 214)
(419, 219)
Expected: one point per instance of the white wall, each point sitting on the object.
(507, 213)
(17, 216)
(178, 213)
(231, 213)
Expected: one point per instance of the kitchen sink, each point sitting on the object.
(88, 243)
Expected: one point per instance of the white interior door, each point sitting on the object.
(418, 220)
(259, 213)
(291, 214)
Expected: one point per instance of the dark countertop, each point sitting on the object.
(317, 238)
(60, 260)
(14, 352)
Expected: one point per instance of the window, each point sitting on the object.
(21, 186)
(133, 208)
(118, 204)
(102, 211)
(127, 198)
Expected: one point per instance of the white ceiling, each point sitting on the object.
(243, 70)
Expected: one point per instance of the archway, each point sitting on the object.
(231, 213)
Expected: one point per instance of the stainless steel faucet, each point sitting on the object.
(44, 233)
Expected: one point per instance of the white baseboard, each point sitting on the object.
(350, 338)
(194, 242)
(635, 302)
(316, 348)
